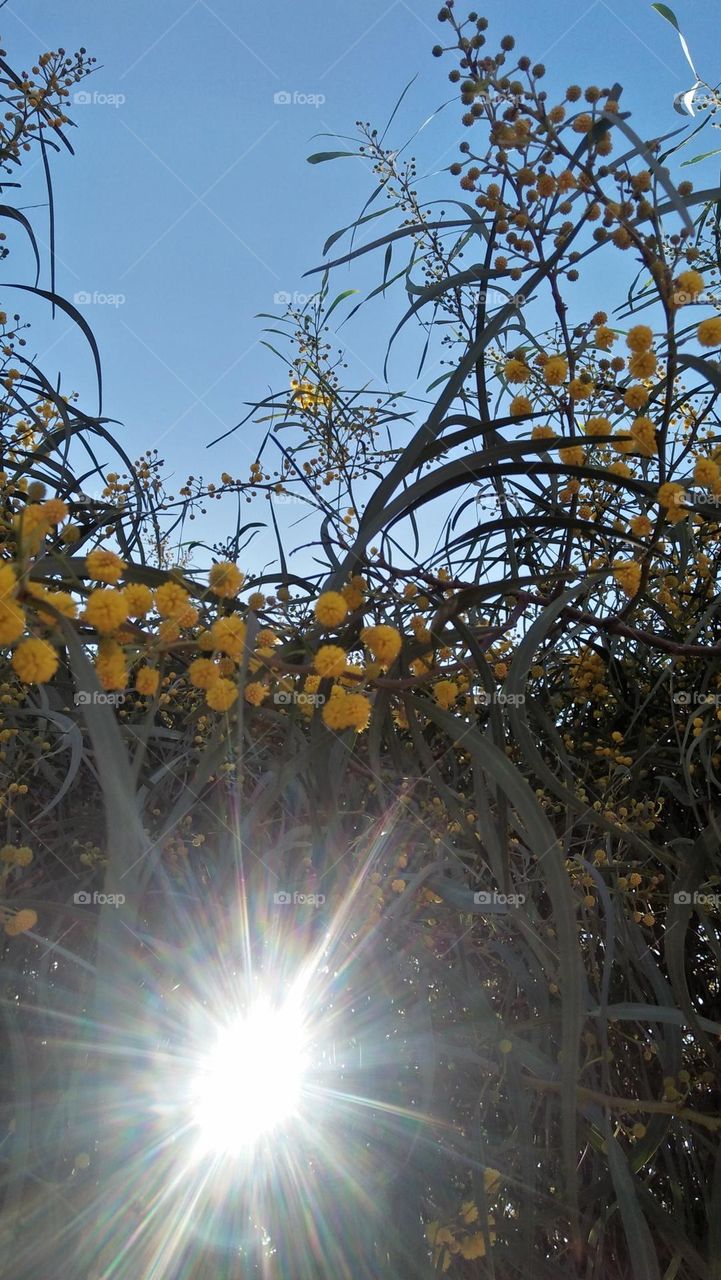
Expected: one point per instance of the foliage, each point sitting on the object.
(524, 706)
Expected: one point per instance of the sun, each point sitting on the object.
(251, 1081)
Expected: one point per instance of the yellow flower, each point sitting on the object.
(643, 432)
(641, 526)
(104, 566)
(353, 596)
(520, 406)
(330, 660)
(671, 496)
(32, 524)
(598, 427)
(628, 576)
(604, 337)
(706, 472)
(20, 923)
(445, 692)
(55, 510)
(642, 364)
(639, 338)
(574, 456)
(555, 371)
(346, 710)
(709, 332)
(330, 609)
(8, 581)
(475, 1246)
(138, 599)
(384, 642)
(256, 600)
(229, 634)
(111, 666)
(221, 695)
(635, 397)
(255, 693)
(12, 616)
(543, 433)
(35, 661)
(171, 599)
(147, 681)
(578, 389)
(225, 580)
(106, 609)
(688, 285)
(516, 370)
(203, 672)
(16, 855)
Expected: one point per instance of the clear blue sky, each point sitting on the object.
(192, 197)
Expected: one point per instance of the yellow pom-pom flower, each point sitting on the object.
(110, 665)
(331, 609)
(106, 609)
(147, 681)
(171, 599)
(706, 472)
(203, 672)
(628, 576)
(221, 695)
(635, 397)
(384, 642)
(255, 693)
(516, 370)
(445, 693)
(639, 338)
(225, 580)
(35, 661)
(520, 406)
(104, 566)
(598, 427)
(642, 364)
(555, 371)
(709, 332)
(20, 923)
(229, 635)
(138, 599)
(330, 660)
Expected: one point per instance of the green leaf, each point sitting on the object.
(706, 155)
(320, 157)
(638, 1233)
(668, 14)
(347, 293)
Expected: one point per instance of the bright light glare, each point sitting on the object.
(252, 1079)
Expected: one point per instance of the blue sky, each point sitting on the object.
(190, 197)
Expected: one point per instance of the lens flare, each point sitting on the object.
(252, 1079)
